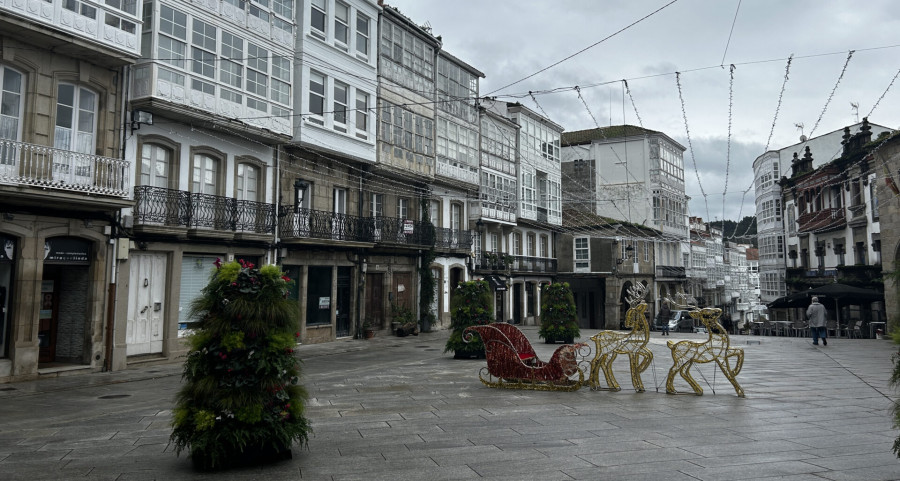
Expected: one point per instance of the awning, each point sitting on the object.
(496, 283)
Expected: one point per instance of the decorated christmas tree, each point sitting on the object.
(559, 320)
(470, 305)
(241, 402)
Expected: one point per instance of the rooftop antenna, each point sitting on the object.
(802, 135)
(855, 107)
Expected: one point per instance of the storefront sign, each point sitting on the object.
(408, 226)
(324, 303)
(67, 250)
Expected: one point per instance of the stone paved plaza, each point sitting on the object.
(400, 409)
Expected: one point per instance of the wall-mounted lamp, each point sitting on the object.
(140, 117)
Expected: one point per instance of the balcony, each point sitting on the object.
(821, 221)
(64, 170)
(94, 22)
(253, 17)
(534, 264)
(158, 210)
(498, 261)
(496, 211)
(155, 81)
(298, 224)
(452, 239)
(463, 174)
(670, 272)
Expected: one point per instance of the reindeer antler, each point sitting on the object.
(636, 294)
(687, 301)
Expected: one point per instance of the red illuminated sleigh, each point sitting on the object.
(513, 364)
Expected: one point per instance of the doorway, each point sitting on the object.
(342, 304)
(146, 300)
(517, 303)
(375, 299)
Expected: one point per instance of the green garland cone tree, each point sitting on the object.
(241, 402)
(559, 320)
(471, 305)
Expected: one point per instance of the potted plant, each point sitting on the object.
(368, 330)
(406, 320)
(471, 304)
(241, 402)
(559, 320)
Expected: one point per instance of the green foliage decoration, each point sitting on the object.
(470, 305)
(241, 388)
(559, 320)
(426, 279)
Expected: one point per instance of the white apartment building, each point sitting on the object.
(636, 175)
(768, 169)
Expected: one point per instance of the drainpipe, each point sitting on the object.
(276, 198)
(112, 302)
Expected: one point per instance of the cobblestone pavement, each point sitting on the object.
(400, 409)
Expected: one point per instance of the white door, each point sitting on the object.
(146, 291)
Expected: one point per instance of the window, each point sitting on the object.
(285, 8)
(155, 165)
(340, 201)
(407, 59)
(317, 18)
(257, 70)
(362, 35)
(455, 216)
(646, 251)
(434, 212)
(204, 179)
(302, 195)
(11, 89)
(75, 120)
(494, 243)
(530, 245)
(172, 41)
(247, 182)
(341, 24)
(317, 96)
(403, 208)
(544, 246)
(362, 115)
(341, 93)
(376, 205)
(408, 134)
(517, 243)
(582, 254)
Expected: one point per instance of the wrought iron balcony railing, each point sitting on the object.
(47, 167)
(317, 224)
(446, 238)
(498, 261)
(177, 208)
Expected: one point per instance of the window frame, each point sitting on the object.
(581, 255)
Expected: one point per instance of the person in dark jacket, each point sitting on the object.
(662, 317)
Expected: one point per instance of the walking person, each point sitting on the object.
(662, 318)
(815, 316)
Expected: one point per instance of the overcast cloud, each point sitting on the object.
(509, 40)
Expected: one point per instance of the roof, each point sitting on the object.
(579, 137)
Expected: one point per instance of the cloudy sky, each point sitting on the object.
(509, 40)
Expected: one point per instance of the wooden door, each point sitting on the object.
(375, 299)
(403, 290)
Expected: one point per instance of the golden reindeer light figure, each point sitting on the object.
(717, 348)
(632, 343)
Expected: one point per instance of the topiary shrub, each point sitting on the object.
(472, 304)
(241, 402)
(559, 320)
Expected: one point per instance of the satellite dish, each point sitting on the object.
(802, 138)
